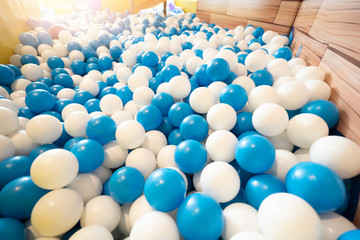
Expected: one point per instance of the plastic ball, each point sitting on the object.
(179, 87)
(44, 129)
(12, 229)
(194, 127)
(92, 232)
(88, 185)
(150, 117)
(142, 159)
(281, 214)
(163, 101)
(155, 225)
(284, 161)
(78, 67)
(310, 73)
(255, 154)
(142, 96)
(55, 62)
(262, 77)
(101, 128)
(334, 225)
(70, 108)
(54, 169)
(32, 72)
(150, 59)
(318, 90)
(305, 128)
(270, 119)
(165, 189)
(178, 112)
(256, 61)
(7, 75)
(137, 80)
(220, 146)
(105, 63)
(218, 69)
(64, 80)
(221, 116)
(248, 235)
(39, 100)
(200, 217)
(284, 52)
(114, 155)
(90, 86)
(201, 76)
(239, 217)
(75, 124)
(293, 95)
(110, 104)
(324, 109)
(337, 153)
(234, 95)
(126, 184)
(354, 234)
(262, 94)
(125, 94)
(14, 167)
(9, 121)
(190, 156)
(61, 208)
(89, 153)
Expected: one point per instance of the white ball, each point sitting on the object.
(32, 72)
(262, 94)
(27, 49)
(66, 93)
(220, 181)
(186, 55)
(302, 154)
(153, 226)
(44, 129)
(137, 80)
(239, 217)
(143, 160)
(174, 60)
(270, 119)
(111, 103)
(340, 154)
(154, 141)
(247, 83)
(93, 232)
(57, 212)
(139, 208)
(281, 214)
(75, 124)
(19, 84)
(103, 173)
(72, 107)
(143, 96)
(296, 61)
(65, 36)
(15, 60)
(256, 61)
(144, 70)
(310, 73)
(279, 67)
(88, 185)
(9, 121)
(102, 211)
(7, 147)
(293, 95)
(60, 50)
(179, 87)
(123, 74)
(216, 88)
(221, 116)
(193, 63)
(130, 134)
(334, 225)
(76, 55)
(220, 145)
(90, 86)
(6, 103)
(23, 144)
(165, 157)
(304, 129)
(124, 224)
(131, 107)
(121, 116)
(249, 235)
(284, 161)
(114, 155)
(54, 169)
(281, 141)
(318, 90)
(202, 99)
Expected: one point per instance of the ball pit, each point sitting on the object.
(162, 127)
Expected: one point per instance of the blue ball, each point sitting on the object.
(243, 123)
(165, 56)
(200, 217)
(71, 142)
(101, 128)
(190, 156)
(18, 198)
(125, 94)
(26, 113)
(55, 62)
(82, 97)
(88, 52)
(163, 101)
(115, 52)
(64, 80)
(178, 112)
(154, 83)
(7, 75)
(258, 32)
(126, 184)
(89, 153)
(165, 189)
(94, 44)
(234, 95)
(92, 66)
(317, 184)
(44, 38)
(324, 109)
(165, 126)
(29, 58)
(64, 137)
(28, 39)
(168, 72)
(187, 45)
(58, 71)
(12, 229)
(284, 52)
(150, 117)
(255, 153)
(92, 105)
(14, 167)
(218, 69)
(39, 100)
(71, 46)
(104, 39)
(105, 63)
(260, 187)
(47, 81)
(78, 67)
(150, 59)
(175, 137)
(36, 85)
(41, 149)
(194, 127)
(14, 68)
(239, 198)
(54, 89)
(262, 77)
(242, 57)
(60, 104)
(350, 235)
(106, 91)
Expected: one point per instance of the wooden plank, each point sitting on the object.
(226, 21)
(307, 14)
(287, 13)
(338, 23)
(263, 10)
(203, 15)
(270, 26)
(312, 50)
(214, 6)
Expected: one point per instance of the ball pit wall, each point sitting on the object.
(326, 34)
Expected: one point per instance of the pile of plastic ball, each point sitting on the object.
(144, 127)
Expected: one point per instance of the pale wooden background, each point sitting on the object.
(329, 31)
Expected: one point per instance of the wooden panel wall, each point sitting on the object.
(278, 15)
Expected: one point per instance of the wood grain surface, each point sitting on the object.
(226, 20)
(214, 6)
(307, 14)
(287, 13)
(270, 26)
